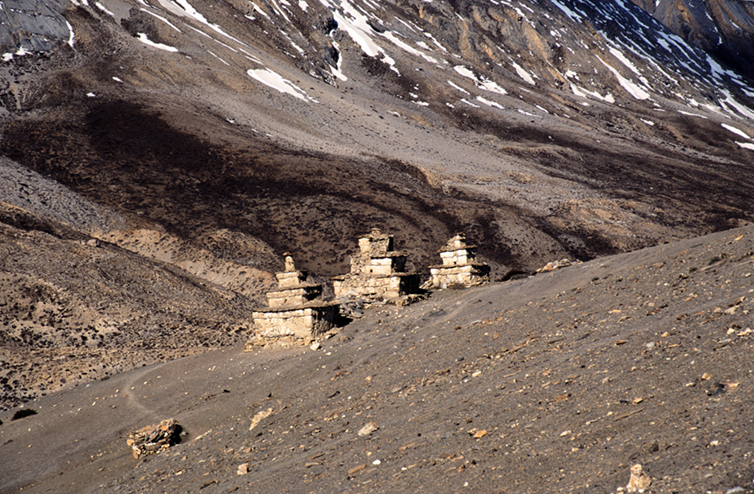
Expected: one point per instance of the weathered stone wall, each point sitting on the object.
(303, 323)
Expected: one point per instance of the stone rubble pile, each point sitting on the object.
(154, 438)
(552, 266)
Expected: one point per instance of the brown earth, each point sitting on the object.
(555, 383)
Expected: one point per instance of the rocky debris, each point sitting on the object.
(154, 438)
(552, 266)
(639, 480)
(368, 429)
(351, 305)
(259, 417)
(243, 469)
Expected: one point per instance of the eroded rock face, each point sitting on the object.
(723, 28)
(33, 26)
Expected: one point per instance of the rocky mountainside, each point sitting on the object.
(157, 158)
(552, 384)
(723, 28)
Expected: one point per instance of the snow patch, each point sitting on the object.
(144, 39)
(631, 87)
(489, 103)
(523, 74)
(104, 9)
(276, 81)
(481, 82)
(746, 145)
(736, 131)
(454, 86)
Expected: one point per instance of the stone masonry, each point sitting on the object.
(458, 265)
(377, 272)
(296, 311)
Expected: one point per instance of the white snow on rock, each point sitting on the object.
(458, 88)
(71, 36)
(736, 131)
(276, 81)
(162, 19)
(631, 87)
(480, 82)
(144, 39)
(489, 103)
(583, 93)
(746, 145)
(523, 74)
(104, 9)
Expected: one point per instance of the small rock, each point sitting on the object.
(315, 345)
(259, 417)
(368, 429)
(357, 469)
(243, 469)
(639, 480)
(480, 434)
(706, 376)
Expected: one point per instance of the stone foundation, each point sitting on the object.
(386, 287)
(458, 266)
(305, 323)
(468, 275)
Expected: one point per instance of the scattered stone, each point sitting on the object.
(243, 469)
(154, 438)
(259, 417)
(706, 376)
(368, 429)
(357, 469)
(315, 345)
(480, 434)
(552, 266)
(639, 480)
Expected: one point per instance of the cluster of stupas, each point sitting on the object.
(298, 314)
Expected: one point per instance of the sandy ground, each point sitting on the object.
(573, 376)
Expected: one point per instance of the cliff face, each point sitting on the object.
(723, 28)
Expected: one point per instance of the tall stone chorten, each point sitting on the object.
(458, 265)
(377, 271)
(296, 310)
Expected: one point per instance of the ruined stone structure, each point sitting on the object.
(296, 310)
(377, 271)
(458, 266)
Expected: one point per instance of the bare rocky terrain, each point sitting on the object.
(157, 158)
(554, 383)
